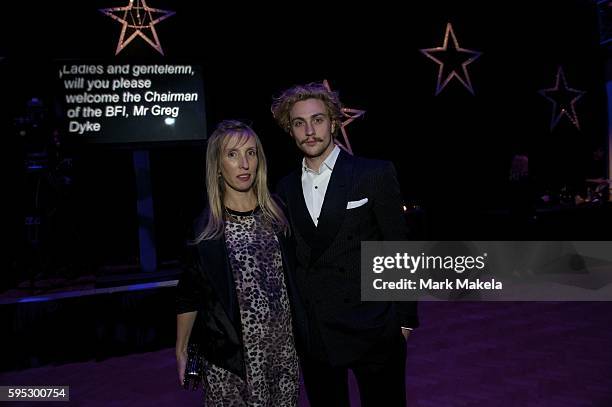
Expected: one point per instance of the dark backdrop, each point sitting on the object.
(452, 151)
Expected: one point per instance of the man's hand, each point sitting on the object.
(181, 363)
(406, 333)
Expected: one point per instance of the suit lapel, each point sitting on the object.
(336, 197)
(299, 210)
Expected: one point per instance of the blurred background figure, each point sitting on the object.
(597, 183)
(520, 194)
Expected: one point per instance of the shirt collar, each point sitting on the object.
(329, 162)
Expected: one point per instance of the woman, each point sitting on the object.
(232, 299)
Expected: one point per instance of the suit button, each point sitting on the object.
(341, 270)
(347, 300)
(349, 237)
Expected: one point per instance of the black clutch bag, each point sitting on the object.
(194, 370)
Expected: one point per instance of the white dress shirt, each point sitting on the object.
(314, 184)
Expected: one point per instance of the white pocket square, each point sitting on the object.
(356, 204)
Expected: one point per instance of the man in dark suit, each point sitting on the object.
(335, 201)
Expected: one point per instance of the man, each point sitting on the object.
(335, 201)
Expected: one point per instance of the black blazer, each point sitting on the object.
(329, 256)
(207, 285)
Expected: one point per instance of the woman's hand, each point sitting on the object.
(184, 324)
(181, 363)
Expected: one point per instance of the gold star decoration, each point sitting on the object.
(138, 20)
(563, 99)
(349, 115)
(454, 56)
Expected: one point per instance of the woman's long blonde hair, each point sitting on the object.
(215, 185)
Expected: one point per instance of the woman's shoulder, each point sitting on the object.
(198, 224)
(200, 221)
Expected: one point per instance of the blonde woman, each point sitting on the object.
(233, 297)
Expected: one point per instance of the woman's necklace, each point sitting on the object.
(236, 217)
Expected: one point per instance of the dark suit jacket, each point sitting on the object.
(207, 285)
(328, 256)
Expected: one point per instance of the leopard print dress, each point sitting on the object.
(270, 356)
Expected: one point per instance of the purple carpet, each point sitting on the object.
(465, 354)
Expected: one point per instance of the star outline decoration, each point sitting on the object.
(154, 43)
(466, 81)
(350, 115)
(560, 109)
